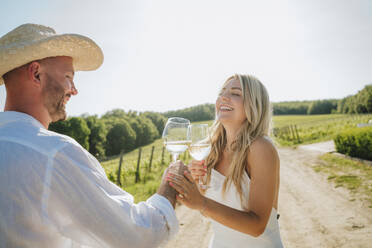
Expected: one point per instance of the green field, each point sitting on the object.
(149, 180)
(311, 128)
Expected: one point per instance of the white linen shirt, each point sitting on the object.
(54, 193)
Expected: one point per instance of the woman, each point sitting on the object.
(242, 170)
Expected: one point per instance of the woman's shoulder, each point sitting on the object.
(262, 143)
(261, 149)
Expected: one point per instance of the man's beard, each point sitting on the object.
(54, 96)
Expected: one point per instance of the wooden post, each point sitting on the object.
(285, 130)
(162, 155)
(298, 136)
(152, 153)
(119, 171)
(280, 132)
(292, 132)
(138, 165)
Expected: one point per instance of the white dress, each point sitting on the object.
(224, 236)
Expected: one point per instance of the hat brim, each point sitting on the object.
(86, 54)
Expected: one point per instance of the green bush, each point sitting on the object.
(355, 142)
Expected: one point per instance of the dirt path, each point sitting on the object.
(313, 212)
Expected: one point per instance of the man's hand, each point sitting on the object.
(165, 189)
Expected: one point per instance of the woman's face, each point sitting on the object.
(229, 104)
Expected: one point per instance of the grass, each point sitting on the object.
(353, 175)
(149, 181)
(314, 128)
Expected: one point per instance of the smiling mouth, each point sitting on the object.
(225, 108)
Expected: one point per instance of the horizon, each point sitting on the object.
(163, 112)
(164, 56)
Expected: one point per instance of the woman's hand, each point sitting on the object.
(165, 189)
(197, 169)
(189, 194)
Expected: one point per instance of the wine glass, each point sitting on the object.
(200, 145)
(175, 136)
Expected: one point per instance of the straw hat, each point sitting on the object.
(30, 42)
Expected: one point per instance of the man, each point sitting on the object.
(53, 193)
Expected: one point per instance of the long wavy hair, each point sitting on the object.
(257, 124)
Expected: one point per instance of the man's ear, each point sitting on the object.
(33, 72)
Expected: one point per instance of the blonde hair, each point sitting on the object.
(258, 113)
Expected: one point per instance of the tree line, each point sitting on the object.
(359, 103)
(202, 112)
(113, 132)
(118, 130)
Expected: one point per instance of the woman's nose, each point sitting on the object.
(224, 96)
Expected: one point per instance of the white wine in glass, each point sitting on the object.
(176, 147)
(175, 136)
(199, 151)
(200, 145)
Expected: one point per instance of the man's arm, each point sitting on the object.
(87, 208)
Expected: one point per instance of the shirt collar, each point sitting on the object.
(14, 116)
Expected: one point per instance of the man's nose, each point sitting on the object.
(74, 91)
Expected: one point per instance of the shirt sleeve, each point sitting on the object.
(88, 209)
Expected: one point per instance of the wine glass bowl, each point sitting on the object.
(200, 145)
(175, 136)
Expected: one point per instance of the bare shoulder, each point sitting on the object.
(263, 145)
(263, 152)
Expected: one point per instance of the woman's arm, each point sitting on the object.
(264, 161)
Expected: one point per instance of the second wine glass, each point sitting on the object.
(200, 145)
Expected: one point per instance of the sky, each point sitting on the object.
(170, 54)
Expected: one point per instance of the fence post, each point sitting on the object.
(298, 136)
(138, 165)
(286, 130)
(292, 132)
(119, 170)
(162, 155)
(152, 153)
